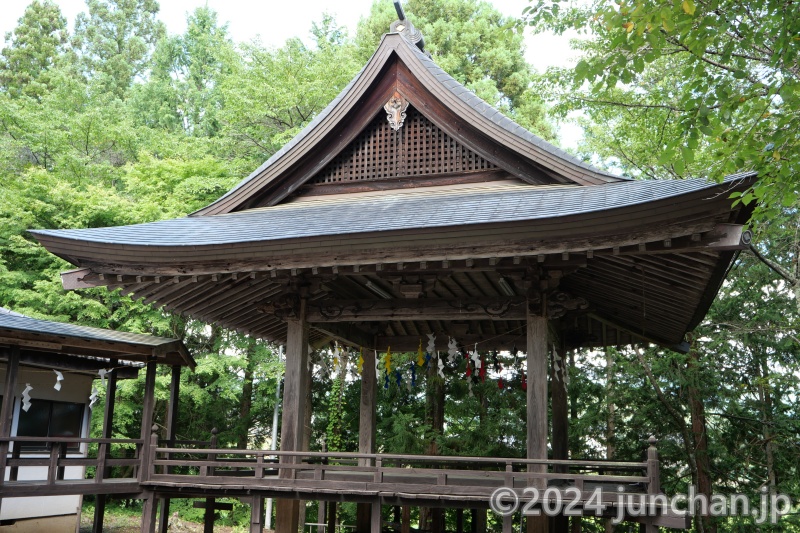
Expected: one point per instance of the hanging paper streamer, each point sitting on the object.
(431, 348)
(441, 365)
(102, 373)
(482, 372)
(469, 386)
(26, 397)
(452, 350)
(524, 382)
(385, 379)
(93, 398)
(377, 361)
(59, 379)
(335, 356)
(361, 360)
(413, 375)
(420, 355)
(500, 384)
(557, 365)
(476, 359)
(398, 377)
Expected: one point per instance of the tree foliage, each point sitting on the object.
(732, 82)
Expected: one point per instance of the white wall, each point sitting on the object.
(75, 388)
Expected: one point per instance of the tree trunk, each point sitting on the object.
(700, 439)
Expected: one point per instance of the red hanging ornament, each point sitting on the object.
(483, 370)
(500, 383)
(524, 382)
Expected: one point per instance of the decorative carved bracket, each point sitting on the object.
(396, 110)
(283, 306)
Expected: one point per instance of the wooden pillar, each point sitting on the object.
(256, 514)
(7, 411)
(479, 521)
(107, 433)
(459, 521)
(366, 430)
(208, 516)
(149, 513)
(375, 517)
(172, 427)
(287, 511)
(148, 404)
(537, 404)
(560, 414)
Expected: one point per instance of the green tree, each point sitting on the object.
(36, 45)
(116, 39)
(735, 84)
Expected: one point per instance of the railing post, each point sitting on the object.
(52, 469)
(653, 473)
(209, 470)
(148, 467)
(62, 453)
(100, 469)
(14, 470)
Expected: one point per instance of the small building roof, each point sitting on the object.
(45, 335)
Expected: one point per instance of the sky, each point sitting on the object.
(275, 21)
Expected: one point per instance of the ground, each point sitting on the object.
(119, 523)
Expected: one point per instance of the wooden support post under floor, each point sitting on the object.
(287, 511)
(366, 430)
(256, 514)
(7, 410)
(172, 428)
(108, 423)
(375, 517)
(537, 403)
(149, 440)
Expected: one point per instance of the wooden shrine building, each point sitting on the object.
(45, 448)
(410, 206)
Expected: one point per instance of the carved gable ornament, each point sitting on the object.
(396, 110)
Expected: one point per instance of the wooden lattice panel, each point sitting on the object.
(419, 148)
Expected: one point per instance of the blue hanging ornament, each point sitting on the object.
(427, 360)
(413, 375)
(385, 379)
(398, 377)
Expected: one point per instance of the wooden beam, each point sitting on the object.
(410, 343)
(416, 309)
(348, 334)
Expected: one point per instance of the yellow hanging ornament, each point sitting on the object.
(388, 360)
(361, 360)
(420, 355)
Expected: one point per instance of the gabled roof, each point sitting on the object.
(49, 336)
(400, 66)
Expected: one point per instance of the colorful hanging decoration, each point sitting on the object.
(431, 348)
(335, 356)
(377, 361)
(500, 384)
(452, 350)
(557, 365)
(93, 397)
(482, 371)
(469, 387)
(496, 362)
(524, 382)
(361, 360)
(420, 355)
(413, 374)
(387, 362)
(398, 377)
(59, 379)
(441, 365)
(102, 373)
(385, 379)
(26, 397)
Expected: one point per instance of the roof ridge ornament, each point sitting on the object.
(404, 27)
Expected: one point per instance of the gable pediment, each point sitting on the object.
(448, 133)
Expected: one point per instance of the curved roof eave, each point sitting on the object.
(517, 138)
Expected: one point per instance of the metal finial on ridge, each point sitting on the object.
(404, 27)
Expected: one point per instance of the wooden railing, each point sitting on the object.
(58, 455)
(478, 476)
